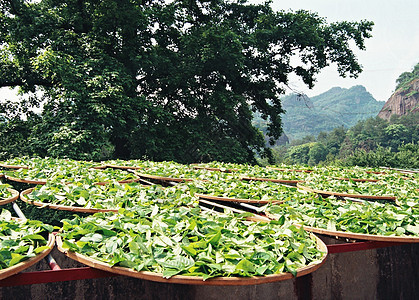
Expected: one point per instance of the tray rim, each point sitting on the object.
(356, 179)
(227, 199)
(29, 262)
(15, 196)
(162, 178)
(272, 180)
(29, 181)
(62, 207)
(362, 196)
(196, 280)
(43, 182)
(351, 235)
(6, 166)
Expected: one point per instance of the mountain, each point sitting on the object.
(334, 108)
(405, 99)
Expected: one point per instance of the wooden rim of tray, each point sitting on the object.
(29, 181)
(121, 181)
(101, 167)
(43, 182)
(122, 167)
(401, 170)
(224, 170)
(376, 172)
(272, 180)
(162, 178)
(361, 196)
(13, 166)
(62, 207)
(227, 199)
(14, 197)
(29, 262)
(290, 170)
(355, 236)
(356, 179)
(195, 280)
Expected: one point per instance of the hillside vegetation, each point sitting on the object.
(407, 77)
(372, 142)
(334, 108)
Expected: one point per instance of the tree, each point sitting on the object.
(157, 80)
(407, 77)
(396, 135)
(317, 153)
(299, 154)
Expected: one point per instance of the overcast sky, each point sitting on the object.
(393, 49)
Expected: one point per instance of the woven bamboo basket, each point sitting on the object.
(195, 280)
(15, 196)
(30, 262)
(361, 196)
(355, 236)
(62, 207)
(284, 181)
(226, 199)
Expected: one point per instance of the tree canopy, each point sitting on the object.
(160, 80)
(406, 77)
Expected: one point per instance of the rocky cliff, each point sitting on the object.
(404, 101)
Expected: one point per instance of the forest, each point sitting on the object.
(373, 142)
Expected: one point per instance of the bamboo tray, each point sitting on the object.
(356, 179)
(29, 262)
(361, 196)
(15, 196)
(195, 280)
(121, 181)
(62, 207)
(122, 167)
(289, 170)
(355, 236)
(293, 182)
(43, 182)
(13, 166)
(101, 167)
(226, 199)
(162, 178)
(29, 181)
(376, 172)
(214, 169)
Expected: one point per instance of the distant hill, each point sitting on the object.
(334, 108)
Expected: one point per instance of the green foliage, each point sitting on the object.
(373, 142)
(186, 241)
(317, 154)
(21, 240)
(368, 218)
(162, 80)
(405, 78)
(405, 157)
(308, 153)
(337, 107)
(299, 154)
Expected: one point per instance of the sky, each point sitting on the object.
(392, 50)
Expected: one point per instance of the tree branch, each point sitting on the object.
(20, 82)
